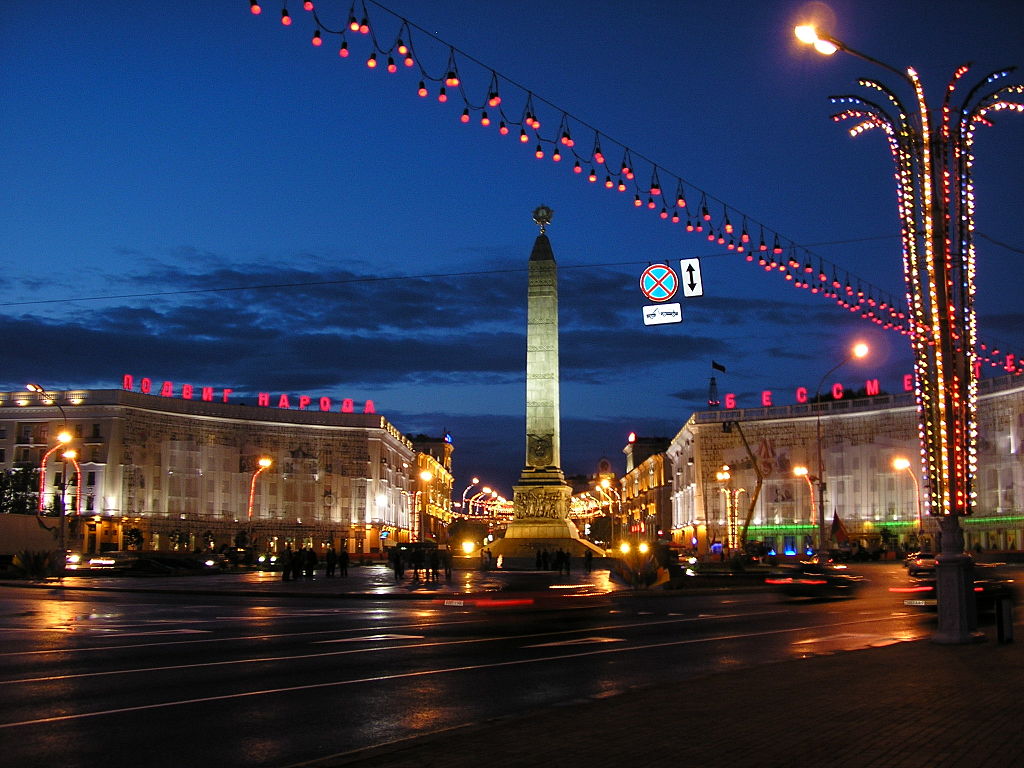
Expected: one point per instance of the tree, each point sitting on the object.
(18, 491)
(133, 538)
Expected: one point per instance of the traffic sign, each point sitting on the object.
(659, 282)
(690, 271)
(659, 314)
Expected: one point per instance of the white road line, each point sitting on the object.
(578, 641)
(401, 676)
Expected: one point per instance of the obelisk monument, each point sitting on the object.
(541, 498)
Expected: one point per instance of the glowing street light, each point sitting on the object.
(263, 464)
(933, 154)
(857, 351)
(901, 464)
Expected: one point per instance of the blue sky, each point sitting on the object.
(164, 163)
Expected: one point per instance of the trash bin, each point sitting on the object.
(1004, 619)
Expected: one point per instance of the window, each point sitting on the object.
(96, 430)
(90, 478)
(78, 430)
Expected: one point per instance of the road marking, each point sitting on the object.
(105, 630)
(368, 638)
(409, 675)
(578, 641)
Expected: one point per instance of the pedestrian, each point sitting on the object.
(397, 564)
(447, 556)
(343, 562)
(435, 565)
(417, 563)
(545, 559)
(285, 561)
(310, 565)
(330, 562)
(588, 560)
(298, 563)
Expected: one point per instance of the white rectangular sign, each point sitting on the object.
(689, 276)
(659, 314)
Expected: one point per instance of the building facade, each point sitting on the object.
(757, 471)
(167, 473)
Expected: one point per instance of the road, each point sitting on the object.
(91, 679)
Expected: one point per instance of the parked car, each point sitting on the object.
(811, 579)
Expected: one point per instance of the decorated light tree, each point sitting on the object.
(932, 152)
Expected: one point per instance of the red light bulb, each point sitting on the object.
(422, 91)
(465, 115)
(317, 40)
(353, 24)
(255, 8)
(503, 129)
(307, 5)
(343, 51)
(285, 18)
(392, 67)
(364, 26)
(372, 61)
(538, 152)
(577, 168)
(556, 156)
(522, 136)
(442, 96)
(401, 47)
(485, 120)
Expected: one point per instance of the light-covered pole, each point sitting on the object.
(933, 153)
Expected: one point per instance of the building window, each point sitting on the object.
(90, 478)
(96, 430)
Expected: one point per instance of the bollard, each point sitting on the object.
(1004, 619)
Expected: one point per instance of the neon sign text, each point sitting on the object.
(148, 386)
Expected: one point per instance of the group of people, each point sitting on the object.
(432, 561)
(302, 563)
(561, 561)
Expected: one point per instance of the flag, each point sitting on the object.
(718, 366)
(839, 532)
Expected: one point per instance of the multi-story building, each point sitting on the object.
(433, 505)
(183, 472)
(733, 472)
(646, 488)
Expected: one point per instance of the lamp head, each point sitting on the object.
(800, 471)
(265, 462)
(860, 349)
(900, 463)
(808, 35)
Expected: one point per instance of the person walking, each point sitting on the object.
(343, 562)
(285, 561)
(330, 562)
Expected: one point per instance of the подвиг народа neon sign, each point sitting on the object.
(147, 386)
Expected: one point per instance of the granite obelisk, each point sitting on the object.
(541, 498)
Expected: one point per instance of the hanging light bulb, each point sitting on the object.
(372, 61)
(401, 47)
(254, 7)
(317, 40)
(608, 182)
(776, 248)
(353, 24)
(592, 176)
(451, 79)
(637, 201)
(556, 156)
(663, 214)
(650, 203)
(494, 99)
(364, 26)
(343, 50)
(465, 115)
(503, 129)
(307, 5)
(622, 186)
(442, 95)
(392, 67)
(522, 136)
(655, 184)
(422, 90)
(285, 18)
(484, 119)
(409, 60)
(538, 152)
(689, 224)
(675, 217)
(728, 224)
(598, 155)
(577, 168)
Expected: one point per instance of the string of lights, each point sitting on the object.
(668, 195)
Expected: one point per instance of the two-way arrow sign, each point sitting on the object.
(689, 270)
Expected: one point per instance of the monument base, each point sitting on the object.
(542, 522)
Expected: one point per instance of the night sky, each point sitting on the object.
(197, 194)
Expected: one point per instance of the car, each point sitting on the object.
(990, 586)
(817, 580)
(921, 563)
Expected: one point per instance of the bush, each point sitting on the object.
(33, 565)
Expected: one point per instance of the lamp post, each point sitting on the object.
(63, 438)
(425, 477)
(858, 350)
(901, 464)
(476, 482)
(806, 475)
(263, 464)
(932, 151)
(616, 514)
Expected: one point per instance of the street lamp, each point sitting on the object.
(901, 464)
(425, 477)
(933, 154)
(857, 351)
(263, 464)
(806, 475)
(616, 514)
(476, 482)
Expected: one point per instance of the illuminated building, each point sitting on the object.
(170, 472)
(875, 502)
